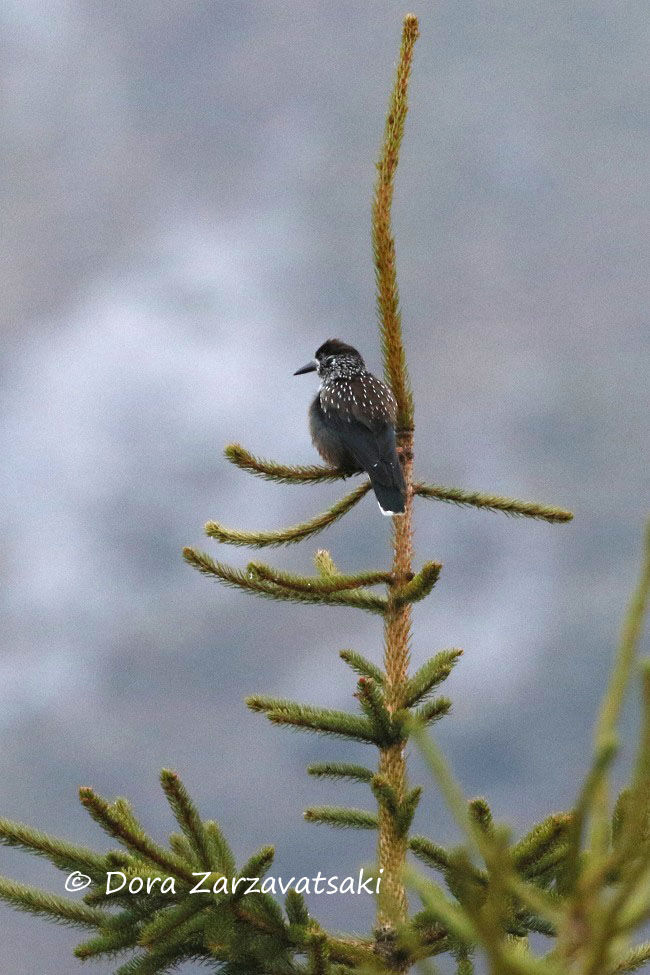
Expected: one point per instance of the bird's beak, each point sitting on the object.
(310, 367)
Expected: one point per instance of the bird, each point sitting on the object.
(352, 422)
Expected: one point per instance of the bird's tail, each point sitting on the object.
(388, 484)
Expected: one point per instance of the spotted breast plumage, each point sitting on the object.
(352, 422)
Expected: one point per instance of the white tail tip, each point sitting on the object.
(390, 514)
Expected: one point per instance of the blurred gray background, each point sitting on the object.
(186, 195)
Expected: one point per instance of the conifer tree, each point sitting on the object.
(581, 878)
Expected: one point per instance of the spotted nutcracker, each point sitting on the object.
(352, 422)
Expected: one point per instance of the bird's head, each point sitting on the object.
(334, 360)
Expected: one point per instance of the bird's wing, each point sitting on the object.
(371, 403)
(371, 444)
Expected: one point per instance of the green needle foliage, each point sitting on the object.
(492, 502)
(288, 536)
(315, 474)
(580, 878)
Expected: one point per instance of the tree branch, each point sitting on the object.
(293, 534)
(492, 502)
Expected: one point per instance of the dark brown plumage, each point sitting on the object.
(352, 422)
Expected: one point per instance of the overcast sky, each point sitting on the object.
(186, 191)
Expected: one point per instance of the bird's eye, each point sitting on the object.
(329, 360)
